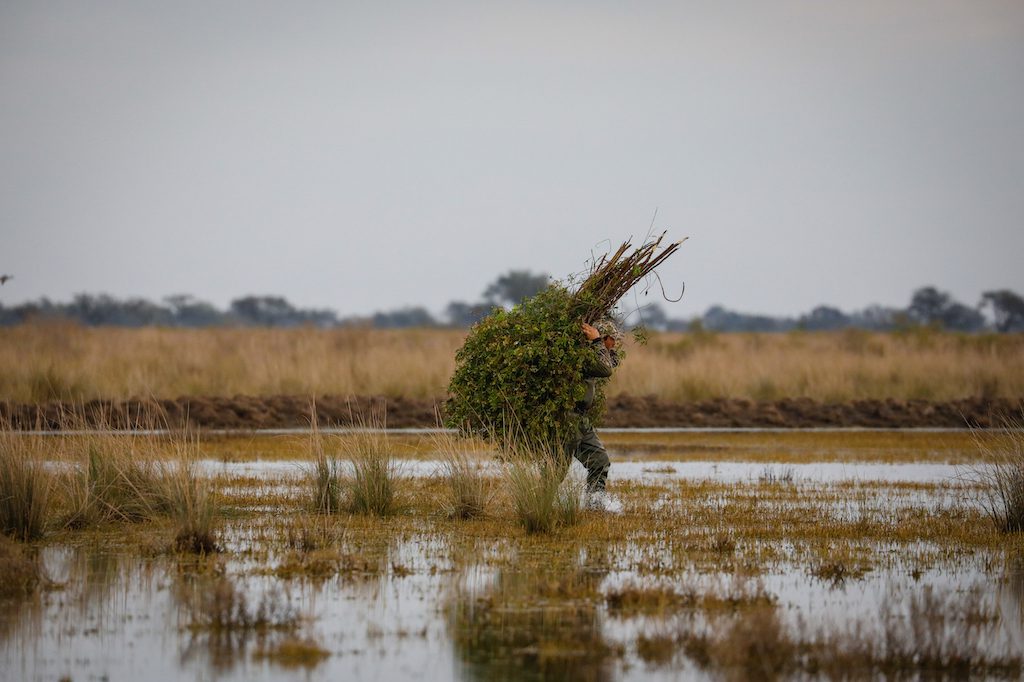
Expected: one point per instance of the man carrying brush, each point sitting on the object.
(586, 446)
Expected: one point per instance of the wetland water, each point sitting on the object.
(750, 555)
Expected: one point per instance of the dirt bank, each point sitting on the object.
(283, 411)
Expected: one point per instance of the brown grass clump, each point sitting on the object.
(468, 487)
(109, 480)
(108, 476)
(1000, 475)
(309, 534)
(543, 497)
(375, 480)
(25, 488)
(322, 475)
(836, 573)
(188, 499)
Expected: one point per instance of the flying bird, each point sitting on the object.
(4, 278)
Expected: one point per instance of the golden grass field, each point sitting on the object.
(55, 360)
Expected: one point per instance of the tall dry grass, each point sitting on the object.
(107, 477)
(52, 361)
(322, 473)
(826, 366)
(90, 476)
(1000, 474)
(543, 497)
(49, 361)
(467, 485)
(25, 489)
(375, 481)
(188, 498)
(121, 477)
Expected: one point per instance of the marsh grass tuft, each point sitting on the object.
(468, 489)
(189, 500)
(543, 497)
(109, 480)
(1001, 474)
(25, 488)
(374, 482)
(119, 476)
(322, 475)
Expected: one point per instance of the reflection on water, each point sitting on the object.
(228, 619)
(1011, 596)
(170, 617)
(533, 625)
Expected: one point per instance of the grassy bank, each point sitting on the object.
(42, 362)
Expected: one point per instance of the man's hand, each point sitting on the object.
(590, 332)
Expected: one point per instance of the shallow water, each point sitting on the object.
(658, 472)
(423, 610)
(122, 617)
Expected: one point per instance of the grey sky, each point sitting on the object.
(364, 156)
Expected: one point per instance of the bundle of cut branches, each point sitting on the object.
(518, 376)
(613, 276)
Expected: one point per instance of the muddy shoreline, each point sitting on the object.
(288, 411)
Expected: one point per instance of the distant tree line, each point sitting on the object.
(928, 307)
(999, 310)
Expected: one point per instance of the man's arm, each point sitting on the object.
(604, 358)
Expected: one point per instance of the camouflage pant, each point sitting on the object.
(588, 449)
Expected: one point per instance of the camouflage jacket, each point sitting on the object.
(600, 366)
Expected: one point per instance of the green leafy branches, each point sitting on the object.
(519, 374)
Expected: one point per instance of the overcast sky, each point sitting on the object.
(368, 155)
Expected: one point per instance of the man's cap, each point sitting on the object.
(608, 327)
